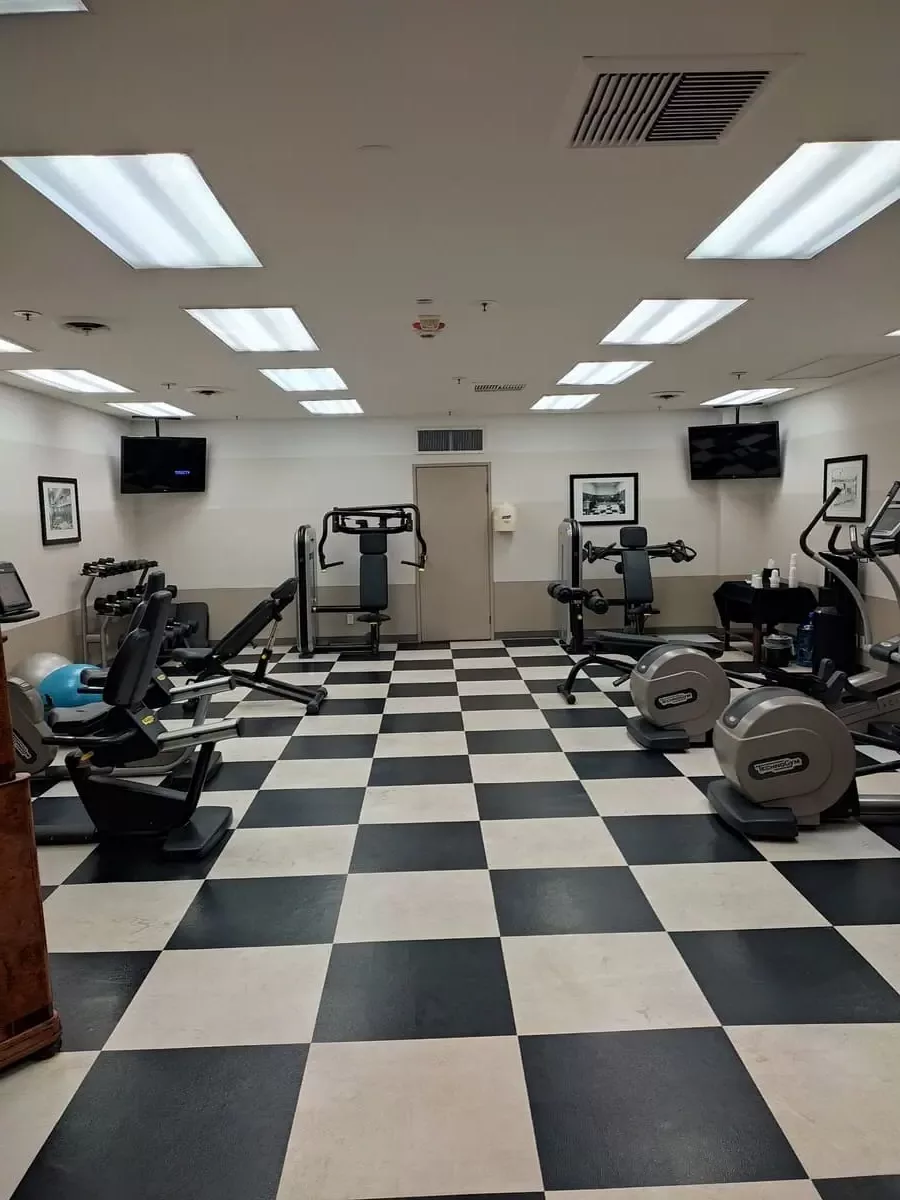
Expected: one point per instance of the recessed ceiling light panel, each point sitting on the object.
(12, 347)
(256, 330)
(563, 403)
(151, 409)
(589, 374)
(306, 379)
(41, 6)
(745, 396)
(668, 322)
(824, 191)
(332, 408)
(153, 210)
(72, 381)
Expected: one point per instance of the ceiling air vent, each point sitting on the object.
(633, 108)
(451, 441)
(499, 387)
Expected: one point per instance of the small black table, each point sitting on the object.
(739, 601)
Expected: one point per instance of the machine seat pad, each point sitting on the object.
(71, 721)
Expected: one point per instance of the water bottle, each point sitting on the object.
(805, 637)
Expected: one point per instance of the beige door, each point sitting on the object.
(455, 587)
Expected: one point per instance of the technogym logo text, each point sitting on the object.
(785, 764)
(676, 699)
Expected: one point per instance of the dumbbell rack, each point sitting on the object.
(105, 568)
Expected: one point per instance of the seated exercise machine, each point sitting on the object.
(371, 525)
(212, 663)
(633, 557)
(789, 761)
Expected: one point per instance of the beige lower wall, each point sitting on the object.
(884, 617)
(59, 634)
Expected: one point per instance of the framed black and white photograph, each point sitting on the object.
(604, 499)
(60, 516)
(850, 475)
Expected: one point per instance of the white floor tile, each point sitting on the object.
(788, 1189)
(419, 802)
(33, 1096)
(879, 945)
(492, 687)
(358, 691)
(829, 841)
(420, 745)
(98, 917)
(575, 740)
(253, 749)
(729, 895)
(555, 672)
(403, 906)
(520, 768)
(300, 679)
(269, 708)
(550, 842)
(319, 773)
(432, 1117)
(702, 762)
(238, 802)
(593, 983)
(491, 719)
(645, 797)
(833, 1090)
(252, 996)
(524, 652)
(592, 699)
(495, 663)
(56, 863)
(299, 850)
(448, 676)
(363, 664)
(482, 645)
(323, 725)
(423, 655)
(421, 704)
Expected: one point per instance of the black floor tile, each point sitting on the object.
(516, 643)
(621, 764)
(39, 786)
(367, 657)
(621, 699)
(561, 661)
(360, 676)
(295, 911)
(313, 667)
(92, 991)
(195, 1124)
(850, 892)
(575, 717)
(649, 1108)
(270, 726)
(424, 646)
(678, 839)
(439, 722)
(423, 664)
(541, 687)
(491, 703)
(488, 652)
(514, 801)
(304, 806)
(47, 891)
(220, 709)
(455, 987)
(353, 745)
(437, 768)
(239, 777)
(61, 812)
(890, 831)
(867, 1187)
(512, 741)
(429, 846)
(571, 900)
(140, 861)
(605, 671)
(487, 674)
(786, 977)
(338, 707)
(397, 690)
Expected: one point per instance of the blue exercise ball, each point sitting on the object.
(61, 686)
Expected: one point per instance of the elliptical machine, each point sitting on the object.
(788, 761)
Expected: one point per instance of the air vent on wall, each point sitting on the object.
(498, 387)
(632, 108)
(451, 441)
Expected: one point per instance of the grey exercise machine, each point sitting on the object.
(371, 525)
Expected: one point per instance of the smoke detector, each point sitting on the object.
(205, 391)
(86, 328)
(428, 326)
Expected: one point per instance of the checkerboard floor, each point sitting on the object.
(465, 940)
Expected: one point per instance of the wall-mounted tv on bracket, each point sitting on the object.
(751, 451)
(163, 464)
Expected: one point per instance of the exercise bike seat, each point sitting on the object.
(72, 721)
(190, 656)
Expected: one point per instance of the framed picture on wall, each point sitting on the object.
(60, 515)
(604, 499)
(850, 475)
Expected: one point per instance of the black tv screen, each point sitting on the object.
(163, 464)
(735, 451)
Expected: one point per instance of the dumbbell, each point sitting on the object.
(594, 601)
(561, 592)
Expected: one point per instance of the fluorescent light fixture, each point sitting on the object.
(587, 374)
(151, 409)
(824, 191)
(896, 333)
(72, 381)
(153, 210)
(745, 396)
(563, 403)
(12, 347)
(255, 329)
(41, 6)
(306, 379)
(332, 408)
(668, 322)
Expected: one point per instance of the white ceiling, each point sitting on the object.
(477, 197)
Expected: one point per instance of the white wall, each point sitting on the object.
(267, 477)
(42, 436)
